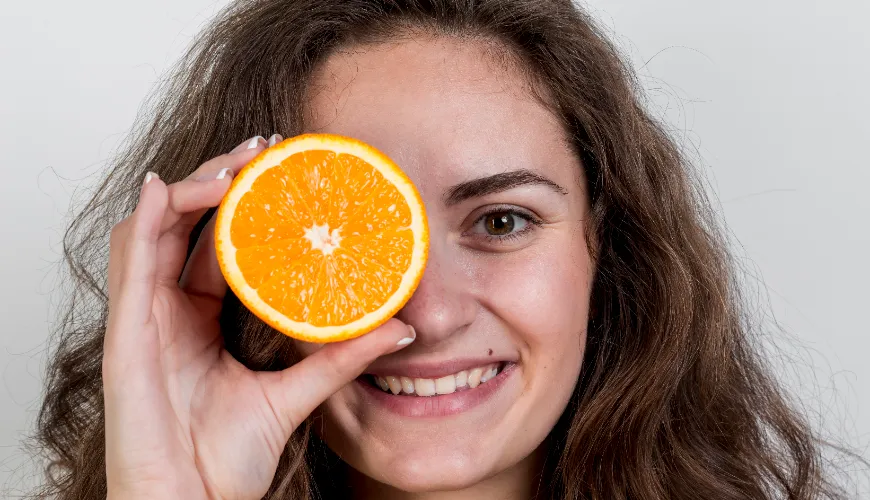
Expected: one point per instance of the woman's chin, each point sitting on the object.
(426, 472)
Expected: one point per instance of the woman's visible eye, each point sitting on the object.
(503, 224)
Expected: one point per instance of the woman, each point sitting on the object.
(573, 261)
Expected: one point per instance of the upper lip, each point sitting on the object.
(435, 369)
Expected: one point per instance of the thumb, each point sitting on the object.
(296, 391)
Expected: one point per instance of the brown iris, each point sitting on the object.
(499, 224)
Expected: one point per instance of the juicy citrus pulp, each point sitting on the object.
(323, 237)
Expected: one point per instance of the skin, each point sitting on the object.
(185, 420)
(448, 113)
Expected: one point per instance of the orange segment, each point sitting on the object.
(269, 213)
(312, 171)
(391, 248)
(262, 262)
(354, 182)
(323, 237)
(337, 302)
(371, 282)
(291, 292)
(384, 209)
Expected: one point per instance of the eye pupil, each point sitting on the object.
(499, 224)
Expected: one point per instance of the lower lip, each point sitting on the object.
(442, 405)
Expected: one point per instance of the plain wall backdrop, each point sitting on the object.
(770, 97)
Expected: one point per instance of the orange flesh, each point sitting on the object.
(323, 238)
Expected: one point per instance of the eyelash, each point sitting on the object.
(532, 224)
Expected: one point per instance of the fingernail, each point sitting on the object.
(410, 338)
(274, 139)
(254, 142)
(223, 173)
(149, 176)
(248, 144)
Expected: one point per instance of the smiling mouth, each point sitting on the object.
(424, 387)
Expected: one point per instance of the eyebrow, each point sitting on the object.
(496, 184)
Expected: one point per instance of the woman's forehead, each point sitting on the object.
(443, 109)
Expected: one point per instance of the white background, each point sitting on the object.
(771, 97)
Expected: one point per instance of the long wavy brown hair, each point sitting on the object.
(674, 401)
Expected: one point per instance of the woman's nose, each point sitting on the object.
(443, 303)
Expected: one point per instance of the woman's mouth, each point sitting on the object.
(437, 396)
(448, 384)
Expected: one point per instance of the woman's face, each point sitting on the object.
(508, 279)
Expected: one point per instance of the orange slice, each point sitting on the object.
(323, 237)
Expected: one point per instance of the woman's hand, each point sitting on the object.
(183, 418)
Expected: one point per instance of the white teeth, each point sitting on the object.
(446, 385)
(407, 385)
(424, 386)
(462, 379)
(395, 385)
(474, 377)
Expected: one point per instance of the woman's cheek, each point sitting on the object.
(541, 292)
(541, 295)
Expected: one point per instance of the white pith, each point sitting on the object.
(321, 238)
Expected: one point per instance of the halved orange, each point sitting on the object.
(323, 237)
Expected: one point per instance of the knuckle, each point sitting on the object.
(339, 364)
(173, 192)
(142, 236)
(118, 233)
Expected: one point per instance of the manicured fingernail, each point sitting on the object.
(254, 142)
(223, 173)
(248, 144)
(149, 176)
(407, 340)
(274, 139)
